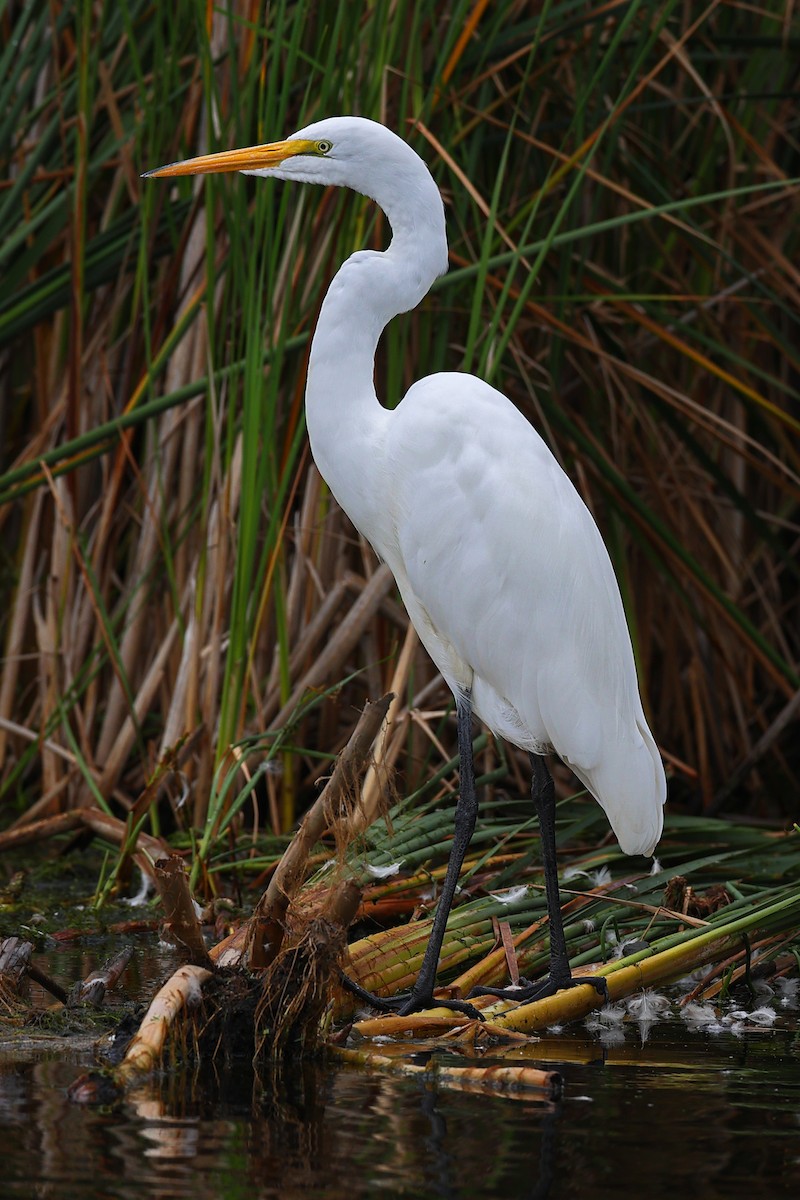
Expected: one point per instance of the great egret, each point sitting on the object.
(501, 567)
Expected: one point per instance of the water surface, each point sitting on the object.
(687, 1114)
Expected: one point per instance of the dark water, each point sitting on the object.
(689, 1114)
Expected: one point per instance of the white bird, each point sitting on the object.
(499, 563)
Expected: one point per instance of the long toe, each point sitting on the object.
(406, 1003)
(526, 991)
(522, 992)
(421, 1003)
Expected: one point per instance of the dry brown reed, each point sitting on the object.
(161, 580)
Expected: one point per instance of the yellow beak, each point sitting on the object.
(253, 158)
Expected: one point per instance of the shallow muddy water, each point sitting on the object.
(687, 1114)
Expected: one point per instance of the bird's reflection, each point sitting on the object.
(443, 1153)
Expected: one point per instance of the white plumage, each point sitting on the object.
(499, 562)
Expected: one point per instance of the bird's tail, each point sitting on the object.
(631, 787)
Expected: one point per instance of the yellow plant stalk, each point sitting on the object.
(640, 971)
(644, 969)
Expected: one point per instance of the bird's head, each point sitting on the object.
(351, 152)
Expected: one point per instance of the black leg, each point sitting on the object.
(544, 801)
(421, 995)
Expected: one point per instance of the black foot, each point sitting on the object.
(526, 991)
(407, 1002)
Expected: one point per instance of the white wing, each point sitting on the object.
(511, 589)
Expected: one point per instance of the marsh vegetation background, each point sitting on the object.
(178, 592)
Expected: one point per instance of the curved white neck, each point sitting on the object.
(346, 423)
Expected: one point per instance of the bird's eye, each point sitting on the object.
(324, 147)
